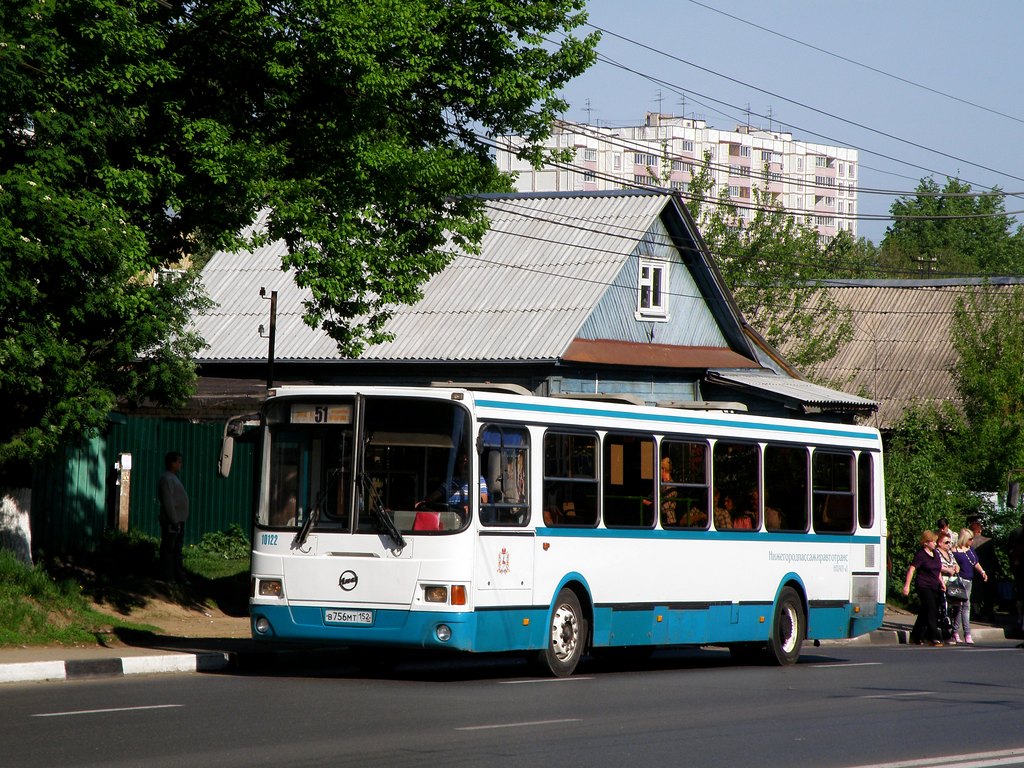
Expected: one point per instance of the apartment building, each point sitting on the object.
(817, 183)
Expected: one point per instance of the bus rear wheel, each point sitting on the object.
(788, 629)
(567, 637)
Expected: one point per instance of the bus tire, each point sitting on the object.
(788, 629)
(567, 636)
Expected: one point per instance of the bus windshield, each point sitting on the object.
(340, 465)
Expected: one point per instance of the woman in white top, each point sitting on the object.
(950, 568)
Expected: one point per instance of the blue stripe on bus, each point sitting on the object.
(480, 631)
(812, 428)
(524, 628)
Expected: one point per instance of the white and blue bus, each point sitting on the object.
(491, 521)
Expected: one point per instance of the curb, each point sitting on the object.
(78, 669)
(902, 637)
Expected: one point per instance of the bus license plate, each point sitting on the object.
(348, 617)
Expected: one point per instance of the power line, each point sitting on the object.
(601, 227)
(848, 121)
(860, 64)
(876, 153)
(626, 183)
(641, 145)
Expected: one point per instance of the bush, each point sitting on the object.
(232, 544)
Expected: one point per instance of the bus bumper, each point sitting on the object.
(481, 631)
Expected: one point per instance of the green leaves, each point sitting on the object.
(988, 335)
(938, 459)
(952, 230)
(140, 134)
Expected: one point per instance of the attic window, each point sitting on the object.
(652, 291)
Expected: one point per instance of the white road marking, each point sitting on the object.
(894, 695)
(970, 760)
(850, 664)
(105, 711)
(518, 725)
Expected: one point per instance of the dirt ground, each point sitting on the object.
(177, 619)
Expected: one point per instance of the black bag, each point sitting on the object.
(956, 589)
(944, 622)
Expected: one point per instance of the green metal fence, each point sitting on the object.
(75, 495)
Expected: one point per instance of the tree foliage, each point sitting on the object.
(923, 482)
(140, 133)
(988, 336)
(952, 230)
(938, 461)
(774, 267)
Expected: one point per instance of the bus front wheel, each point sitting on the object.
(567, 637)
(788, 629)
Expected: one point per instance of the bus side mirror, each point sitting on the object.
(227, 453)
(1013, 495)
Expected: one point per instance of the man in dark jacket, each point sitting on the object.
(173, 514)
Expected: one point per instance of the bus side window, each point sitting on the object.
(785, 488)
(504, 463)
(832, 475)
(865, 484)
(570, 479)
(683, 487)
(735, 474)
(628, 480)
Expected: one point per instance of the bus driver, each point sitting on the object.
(454, 492)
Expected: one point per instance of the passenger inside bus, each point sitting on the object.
(669, 494)
(749, 518)
(723, 511)
(454, 494)
(695, 518)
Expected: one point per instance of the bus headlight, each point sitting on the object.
(443, 632)
(261, 625)
(271, 588)
(435, 594)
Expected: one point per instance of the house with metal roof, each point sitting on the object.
(600, 294)
(901, 353)
(606, 294)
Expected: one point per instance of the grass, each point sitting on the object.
(52, 601)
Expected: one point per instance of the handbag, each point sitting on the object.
(956, 589)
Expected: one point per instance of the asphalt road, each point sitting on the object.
(840, 706)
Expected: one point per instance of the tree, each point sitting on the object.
(988, 335)
(774, 267)
(923, 482)
(952, 230)
(141, 133)
(939, 459)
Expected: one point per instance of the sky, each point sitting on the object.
(919, 88)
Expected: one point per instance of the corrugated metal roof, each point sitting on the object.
(804, 392)
(901, 352)
(544, 263)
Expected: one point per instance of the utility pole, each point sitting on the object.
(272, 336)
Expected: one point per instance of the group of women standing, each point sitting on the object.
(935, 563)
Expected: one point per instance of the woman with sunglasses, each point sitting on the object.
(948, 607)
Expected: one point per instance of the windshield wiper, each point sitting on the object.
(314, 513)
(384, 524)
